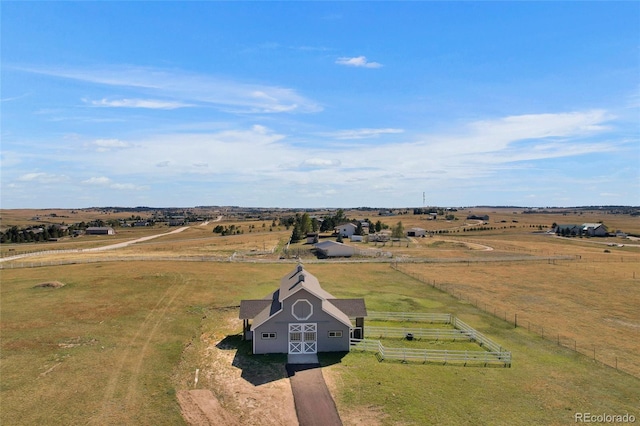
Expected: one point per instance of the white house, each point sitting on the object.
(346, 229)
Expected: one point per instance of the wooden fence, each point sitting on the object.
(432, 355)
(410, 316)
(419, 333)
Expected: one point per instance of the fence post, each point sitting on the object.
(515, 321)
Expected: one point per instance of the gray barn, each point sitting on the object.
(301, 318)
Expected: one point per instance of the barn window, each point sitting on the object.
(268, 336)
(337, 333)
(302, 309)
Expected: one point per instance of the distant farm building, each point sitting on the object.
(356, 238)
(333, 249)
(416, 232)
(312, 237)
(301, 318)
(100, 230)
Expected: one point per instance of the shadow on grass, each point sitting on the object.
(261, 369)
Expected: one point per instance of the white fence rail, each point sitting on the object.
(410, 316)
(493, 353)
(420, 333)
(482, 340)
(432, 355)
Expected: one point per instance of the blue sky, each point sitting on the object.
(320, 104)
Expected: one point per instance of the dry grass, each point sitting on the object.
(586, 305)
(139, 329)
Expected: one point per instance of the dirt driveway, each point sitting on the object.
(314, 404)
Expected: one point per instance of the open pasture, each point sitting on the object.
(117, 342)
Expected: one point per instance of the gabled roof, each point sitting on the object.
(345, 224)
(290, 284)
(592, 225)
(326, 244)
(299, 279)
(351, 307)
(250, 308)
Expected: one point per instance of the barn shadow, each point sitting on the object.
(261, 369)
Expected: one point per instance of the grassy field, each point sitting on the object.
(119, 339)
(115, 344)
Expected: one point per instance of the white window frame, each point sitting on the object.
(335, 334)
(293, 309)
(270, 335)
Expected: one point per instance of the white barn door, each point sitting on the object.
(303, 338)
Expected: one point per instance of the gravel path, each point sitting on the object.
(314, 404)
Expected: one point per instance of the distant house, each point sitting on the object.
(416, 232)
(141, 223)
(100, 230)
(594, 230)
(301, 318)
(312, 237)
(586, 229)
(177, 222)
(346, 229)
(333, 249)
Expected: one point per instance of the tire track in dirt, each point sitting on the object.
(132, 394)
(148, 328)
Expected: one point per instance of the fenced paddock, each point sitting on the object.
(493, 353)
(410, 317)
(444, 357)
(419, 333)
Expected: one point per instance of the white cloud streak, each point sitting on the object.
(263, 160)
(180, 88)
(139, 103)
(357, 61)
(361, 133)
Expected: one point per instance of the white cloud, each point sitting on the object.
(41, 177)
(320, 163)
(108, 183)
(104, 145)
(362, 133)
(128, 187)
(102, 180)
(358, 61)
(183, 88)
(139, 103)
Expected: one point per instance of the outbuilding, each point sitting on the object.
(100, 230)
(301, 318)
(333, 249)
(416, 232)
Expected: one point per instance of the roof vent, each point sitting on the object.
(300, 278)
